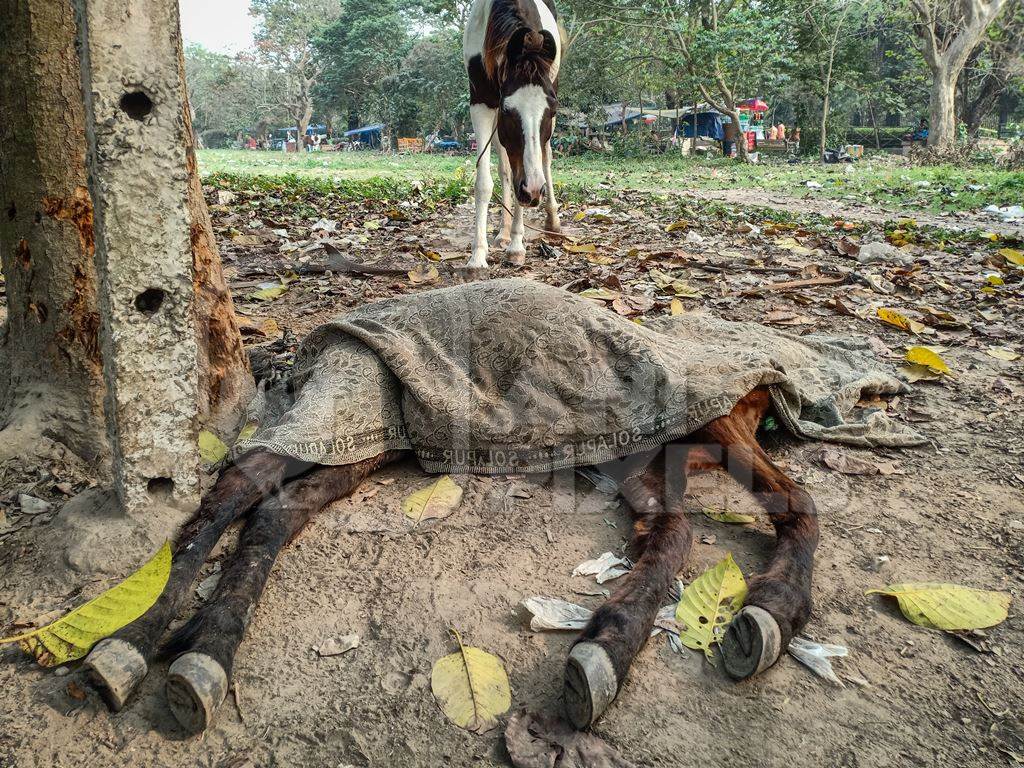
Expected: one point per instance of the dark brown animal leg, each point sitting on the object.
(604, 651)
(778, 602)
(119, 663)
(205, 646)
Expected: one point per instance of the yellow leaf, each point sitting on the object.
(675, 226)
(211, 448)
(924, 356)
(994, 279)
(600, 259)
(471, 688)
(727, 516)
(676, 307)
(915, 372)
(948, 606)
(708, 604)
(580, 216)
(602, 294)
(1012, 255)
(990, 236)
(73, 635)
(269, 294)
(892, 317)
(247, 431)
(585, 248)
(437, 500)
(1002, 353)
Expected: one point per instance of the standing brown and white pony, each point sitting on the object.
(512, 50)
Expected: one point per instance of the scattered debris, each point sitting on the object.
(604, 567)
(815, 656)
(542, 741)
(335, 646)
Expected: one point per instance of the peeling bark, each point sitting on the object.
(51, 386)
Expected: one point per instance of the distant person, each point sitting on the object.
(921, 134)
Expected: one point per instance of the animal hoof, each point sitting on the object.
(196, 686)
(752, 643)
(115, 669)
(517, 258)
(590, 684)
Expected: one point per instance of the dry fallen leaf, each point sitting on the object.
(423, 274)
(948, 606)
(541, 741)
(471, 687)
(438, 500)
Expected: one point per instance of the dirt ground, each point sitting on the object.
(952, 511)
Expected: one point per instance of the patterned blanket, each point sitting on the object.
(516, 376)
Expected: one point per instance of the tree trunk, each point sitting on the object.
(50, 378)
(823, 139)
(941, 122)
(874, 125)
(171, 352)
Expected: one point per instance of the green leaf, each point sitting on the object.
(211, 448)
(948, 606)
(471, 687)
(708, 604)
(73, 635)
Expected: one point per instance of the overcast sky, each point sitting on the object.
(219, 25)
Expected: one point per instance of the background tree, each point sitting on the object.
(949, 30)
(285, 35)
(991, 68)
(230, 95)
(825, 48)
(359, 52)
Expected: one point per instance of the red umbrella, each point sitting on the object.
(753, 105)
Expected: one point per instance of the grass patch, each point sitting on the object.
(883, 181)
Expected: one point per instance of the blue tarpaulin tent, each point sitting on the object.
(371, 135)
(708, 124)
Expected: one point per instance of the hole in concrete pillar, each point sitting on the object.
(149, 301)
(136, 104)
(12, 211)
(161, 488)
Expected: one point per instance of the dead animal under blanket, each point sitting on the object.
(512, 376)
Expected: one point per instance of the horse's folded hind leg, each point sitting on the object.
(778, 601)
(205, 646)
(119, 663)
(662, 536)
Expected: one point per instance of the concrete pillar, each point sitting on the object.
(138, 180)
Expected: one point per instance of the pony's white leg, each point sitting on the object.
(505, 174)
(516, 251)
(483, 125)
(550, 204)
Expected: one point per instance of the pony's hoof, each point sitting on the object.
(752, 643)
(515, 257)
(590, 684)
(196, 687)
(115, 668)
